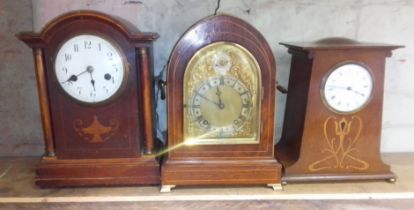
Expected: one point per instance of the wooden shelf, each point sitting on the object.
(17, 186)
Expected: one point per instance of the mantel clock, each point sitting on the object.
(95, 90)
(221, 85)
(332, 125)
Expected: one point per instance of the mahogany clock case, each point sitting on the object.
(319, 144)
(120, 129)
(220, 164)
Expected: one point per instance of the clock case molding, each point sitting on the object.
(240, 164)
(303, 148)
(69, 160)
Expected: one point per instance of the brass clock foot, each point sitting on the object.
(392, 180)
(50, 154)
(276, 187)
(147, 152)
(166, 188)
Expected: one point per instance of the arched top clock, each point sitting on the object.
(221, 105)
(95, 90)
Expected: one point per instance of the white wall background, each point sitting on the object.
(389, 21)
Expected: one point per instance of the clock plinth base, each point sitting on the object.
(302, 178)
(296, 170)
(221, 172)
(53, 172)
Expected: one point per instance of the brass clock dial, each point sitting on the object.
(221, 89)
(221, 104)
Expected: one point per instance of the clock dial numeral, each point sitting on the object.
(68, 57)
(76, 47)
(109, 55)
(205, 122)
(246, 105)
(87, 44)
(99, 46)
(237, 122)
(106, 89)
(116, 69)
(215, 82)
(229, 81)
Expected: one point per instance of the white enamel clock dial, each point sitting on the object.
(347, 88)
(89, 68)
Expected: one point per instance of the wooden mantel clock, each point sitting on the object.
(221, 87)
(95, 90)
(332, 125)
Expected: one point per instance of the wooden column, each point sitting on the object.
(146, 85)
(44, 102)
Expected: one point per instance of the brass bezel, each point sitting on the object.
(332, 69)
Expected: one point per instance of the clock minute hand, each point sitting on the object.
(207, 99)
(359, 93)
(336, 86)
(72, 78)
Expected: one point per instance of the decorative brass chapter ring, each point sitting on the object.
(96, 132)
(341, 136)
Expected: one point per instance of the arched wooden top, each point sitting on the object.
(222, 27)
(126, 28)
(336, 40)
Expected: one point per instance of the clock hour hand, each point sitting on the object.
(93, 83)
(74, 78)
(220, 103)
(89, 69)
